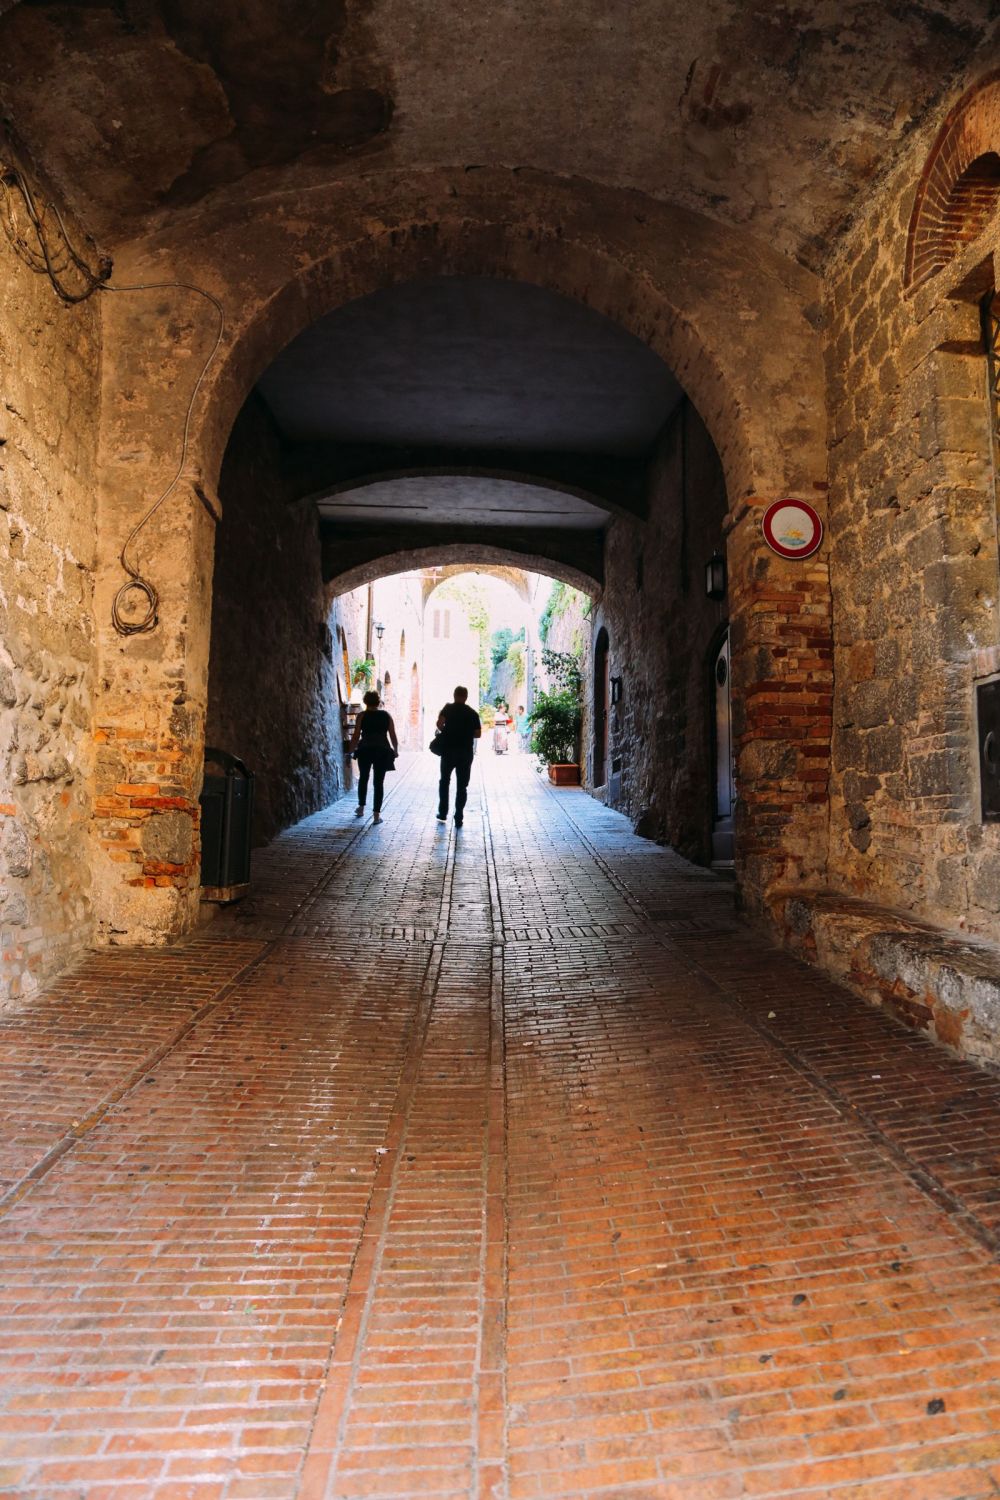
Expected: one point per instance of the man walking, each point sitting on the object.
(459, 728)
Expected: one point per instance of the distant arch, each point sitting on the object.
(463, 557)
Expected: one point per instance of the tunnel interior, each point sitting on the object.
(476, 418)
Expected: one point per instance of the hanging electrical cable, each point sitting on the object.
(37, 232)
(136, 584)
(48, 252)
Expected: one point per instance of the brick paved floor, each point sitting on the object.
(493, 1164)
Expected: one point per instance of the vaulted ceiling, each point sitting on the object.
(772, 116)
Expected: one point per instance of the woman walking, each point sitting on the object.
(375, 745)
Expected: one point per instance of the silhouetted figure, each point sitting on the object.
(375, 744)
(459, 728)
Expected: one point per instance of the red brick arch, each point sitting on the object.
(959, 188)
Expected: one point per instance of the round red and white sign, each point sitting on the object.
(792, 528)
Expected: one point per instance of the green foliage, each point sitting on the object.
(556, 717)
(501, 642)
(555, 727)
(564, 600)
(488, 715)
(363, 671)
(563, 668)
(516, 660)
(555, 605)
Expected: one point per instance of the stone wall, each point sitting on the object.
(273, 696)
(749, 360)
(908, 911)
(915, 574)
(662, 632)
(49, 394)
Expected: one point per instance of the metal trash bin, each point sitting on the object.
(226, 827)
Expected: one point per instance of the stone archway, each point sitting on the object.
(461, 557)
(657, 272)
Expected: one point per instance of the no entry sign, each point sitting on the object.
(792, 528)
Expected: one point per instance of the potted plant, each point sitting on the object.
(363, 671)
(556, 718)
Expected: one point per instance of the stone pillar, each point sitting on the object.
(782, 683)
(150, 704)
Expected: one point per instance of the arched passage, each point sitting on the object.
(656, 275)
(602, 706)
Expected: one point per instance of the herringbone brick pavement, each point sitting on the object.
(496, 1164)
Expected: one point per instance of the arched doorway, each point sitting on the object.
(602, 701)
(723, 848)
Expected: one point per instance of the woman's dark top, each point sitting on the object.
(374, 729)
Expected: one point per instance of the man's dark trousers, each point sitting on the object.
(461, 764)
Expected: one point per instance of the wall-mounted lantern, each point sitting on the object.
(616, 690)
(715, 576)
(379, 630)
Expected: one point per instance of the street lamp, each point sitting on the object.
(379, 630)
(715, 576)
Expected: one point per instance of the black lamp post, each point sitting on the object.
(379, 629)
(715, 576)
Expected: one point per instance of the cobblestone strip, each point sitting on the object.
(491, 1431)
(411, 1403)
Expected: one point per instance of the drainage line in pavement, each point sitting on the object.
(328, 1429)
(920, 1176)
(491, 1361)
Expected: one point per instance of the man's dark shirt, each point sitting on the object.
(459, 732)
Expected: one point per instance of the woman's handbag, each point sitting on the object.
(436, 745)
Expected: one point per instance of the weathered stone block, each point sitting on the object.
(168, 838)
(15, 850)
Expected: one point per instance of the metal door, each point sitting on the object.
(725, 780)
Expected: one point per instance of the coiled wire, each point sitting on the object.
(54, 255)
